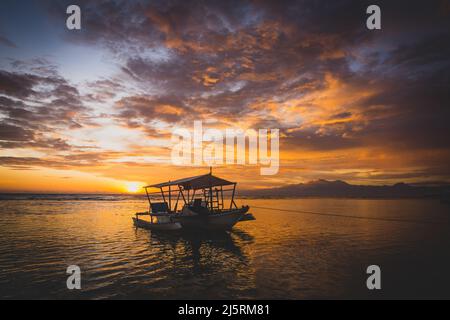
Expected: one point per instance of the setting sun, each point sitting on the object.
(133, 187)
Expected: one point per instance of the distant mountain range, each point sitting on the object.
(342, 189)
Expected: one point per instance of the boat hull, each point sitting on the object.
(190, 219)
(157, 226)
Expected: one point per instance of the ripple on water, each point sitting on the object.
(279, 255)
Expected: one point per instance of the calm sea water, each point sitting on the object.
(281, 255)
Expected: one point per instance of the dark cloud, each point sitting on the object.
(265, 63)
(14, 133)
(27, 163)
(341, 115)
(430, 51)
(72, 160)
(140, 111)
(34, 107)
(17, 85)
(225, 59)
(37, 66)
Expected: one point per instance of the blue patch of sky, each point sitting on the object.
(37, 34)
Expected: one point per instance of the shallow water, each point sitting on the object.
(281, 255)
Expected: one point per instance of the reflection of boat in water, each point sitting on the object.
(203, 200)
(206, 243)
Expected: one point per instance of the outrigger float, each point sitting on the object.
(203, 205)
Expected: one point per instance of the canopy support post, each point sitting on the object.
(232, 197)
(210, 191)
(221, 196)
(162, 193)
(149, 201)
(170, 198)
(178, 198)
(182, 194)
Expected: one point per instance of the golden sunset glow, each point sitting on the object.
(133, 187)
(97, 114)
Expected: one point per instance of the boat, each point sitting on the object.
(204, 203)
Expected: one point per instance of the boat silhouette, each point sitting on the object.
(203, 200)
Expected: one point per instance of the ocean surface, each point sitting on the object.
(320, 251)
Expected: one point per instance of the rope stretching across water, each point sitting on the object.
(351, 216)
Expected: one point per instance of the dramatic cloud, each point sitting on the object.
(350, 103)
(33, 108)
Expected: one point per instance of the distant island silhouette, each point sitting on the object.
(342, 189)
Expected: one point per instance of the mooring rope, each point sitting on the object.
(351, 216)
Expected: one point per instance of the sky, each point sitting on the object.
(93, 110)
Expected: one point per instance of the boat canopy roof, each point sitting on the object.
(197, 182)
